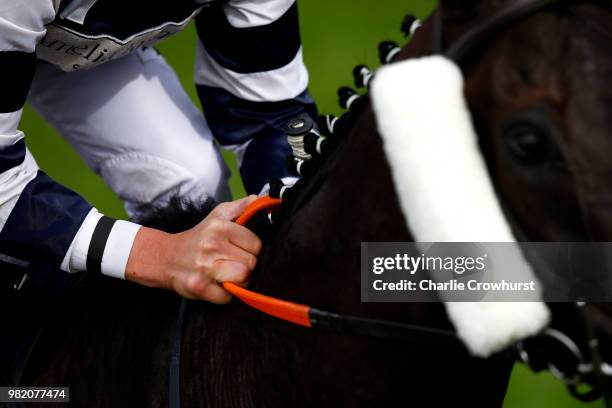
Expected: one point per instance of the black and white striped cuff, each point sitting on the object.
(102, 245)
(97, 245)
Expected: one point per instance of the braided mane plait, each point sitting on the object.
(316, 150)
(315, 170)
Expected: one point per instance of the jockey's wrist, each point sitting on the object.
(148, 263)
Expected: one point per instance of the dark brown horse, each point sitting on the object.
(541, 85)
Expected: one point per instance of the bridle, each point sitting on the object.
(572, 367)
(579, 367)
(482, 33)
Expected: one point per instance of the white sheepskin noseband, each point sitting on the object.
(444, 188)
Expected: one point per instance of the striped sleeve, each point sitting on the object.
(251, 80)
(42, 222)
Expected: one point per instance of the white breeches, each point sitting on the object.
(135, 126)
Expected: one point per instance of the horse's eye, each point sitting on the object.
(528, 142)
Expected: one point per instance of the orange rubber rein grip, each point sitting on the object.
(289, 311)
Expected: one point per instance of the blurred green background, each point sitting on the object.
(337, 35)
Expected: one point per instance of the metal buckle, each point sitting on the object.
(574, 350)
(583, 369)
(21, 281)
(569, 345)
(587, 368)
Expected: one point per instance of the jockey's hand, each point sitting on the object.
(193, 262)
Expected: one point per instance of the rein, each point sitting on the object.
(319, 319)
(302, 315)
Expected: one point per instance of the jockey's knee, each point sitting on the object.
(146, 182)
(264, 158)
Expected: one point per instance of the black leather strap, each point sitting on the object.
(98, 243)
(174, 383)
(515, 10)
(384, 329)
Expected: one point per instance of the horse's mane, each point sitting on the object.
(178, 215)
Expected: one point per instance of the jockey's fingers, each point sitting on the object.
(231, 271)
(244, 238)
(214, 293)
(234, 253)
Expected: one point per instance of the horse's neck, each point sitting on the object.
(315, 260)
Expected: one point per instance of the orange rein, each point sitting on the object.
(289, 311)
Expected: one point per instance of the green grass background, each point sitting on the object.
(337, 35)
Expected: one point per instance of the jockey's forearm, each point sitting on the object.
(148, 260)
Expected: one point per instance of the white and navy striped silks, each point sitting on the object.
(251, 80)
(249, 74)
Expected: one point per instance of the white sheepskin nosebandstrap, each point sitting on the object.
(444, 188)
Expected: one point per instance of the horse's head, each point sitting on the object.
(540, 93)
(537, 87)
